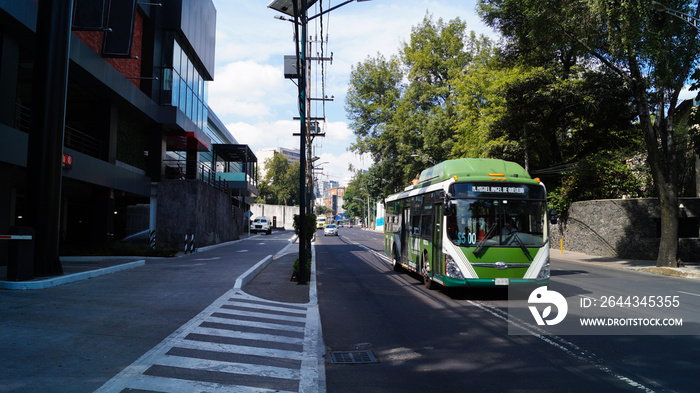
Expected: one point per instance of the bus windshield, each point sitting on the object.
(497, 222)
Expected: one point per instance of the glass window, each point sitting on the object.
(177, 53)
(176, 90)
(195, 84)
(183, 95)
(189, 103)
(497, 222)
(167, 79)
(190, 74)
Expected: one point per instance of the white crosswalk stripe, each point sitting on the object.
(238, 344)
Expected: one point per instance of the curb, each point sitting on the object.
(250, 274)
(55, 281)
(667, 271)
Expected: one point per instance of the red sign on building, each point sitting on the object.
(67, 161)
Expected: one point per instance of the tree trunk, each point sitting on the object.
(662, 162)
(668, 247)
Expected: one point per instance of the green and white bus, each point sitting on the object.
(470, 222)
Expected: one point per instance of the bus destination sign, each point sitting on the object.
(497, 190)
(490, 189)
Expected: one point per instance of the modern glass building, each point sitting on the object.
(136, 116)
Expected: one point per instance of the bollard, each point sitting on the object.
(189, 244)
(20, 264)
(152, 239)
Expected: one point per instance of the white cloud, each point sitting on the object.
(247, 89)
(266, 134)
(337, 166)
(251, 96)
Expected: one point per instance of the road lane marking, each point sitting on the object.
(240, 343)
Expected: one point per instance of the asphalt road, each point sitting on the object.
(462, 340)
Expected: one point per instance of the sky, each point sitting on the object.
(257, 104)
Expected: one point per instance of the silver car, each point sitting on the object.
(331, 230)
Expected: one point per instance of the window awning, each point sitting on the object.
(234, 153)
(183, 141)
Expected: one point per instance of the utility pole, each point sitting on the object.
(299, 12)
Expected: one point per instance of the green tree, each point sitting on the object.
(280, 185)
(406, 104)
(321, 210)
(652, 52)
(354, 196)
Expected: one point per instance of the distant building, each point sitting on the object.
(292, 155)
(333, 199)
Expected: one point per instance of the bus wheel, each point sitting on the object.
(425, 272)
(395, 261)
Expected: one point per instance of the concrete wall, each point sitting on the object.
(190, 206)
(625, 228)
(284, 214)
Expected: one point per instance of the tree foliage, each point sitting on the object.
(281, 183)
(650, 51)
(568, 80)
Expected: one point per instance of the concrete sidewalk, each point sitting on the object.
(689, 270)
(76, 268)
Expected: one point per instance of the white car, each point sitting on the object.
(261, 224)
(331, 230)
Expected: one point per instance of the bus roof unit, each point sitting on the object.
(474, 169)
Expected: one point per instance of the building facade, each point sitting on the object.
(136, 116)
(292, 155)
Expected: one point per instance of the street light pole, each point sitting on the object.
(299, 12)
(689, 19)
(300, 20)
(430, 160)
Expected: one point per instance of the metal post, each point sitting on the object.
(300, 19)
(153, 215)
(45, 147)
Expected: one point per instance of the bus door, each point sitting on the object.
(436, 256)
(405, 221)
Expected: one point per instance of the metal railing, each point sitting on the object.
(73, 138)
(177, 170)
(82, 142)
(23, 118)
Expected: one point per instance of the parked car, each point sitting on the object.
(331, 230)
(261, 224)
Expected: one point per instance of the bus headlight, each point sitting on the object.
(544, 272)
(451, 268)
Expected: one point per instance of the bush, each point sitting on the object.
(310, 226)
(295, 270)
(601, 176)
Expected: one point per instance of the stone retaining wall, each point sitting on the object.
(625, 228)
(187, 207)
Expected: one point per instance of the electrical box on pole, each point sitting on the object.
(290, 67)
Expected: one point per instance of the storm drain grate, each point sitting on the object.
(352, 357)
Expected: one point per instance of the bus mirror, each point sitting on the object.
(553, 216)
(446, 207)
